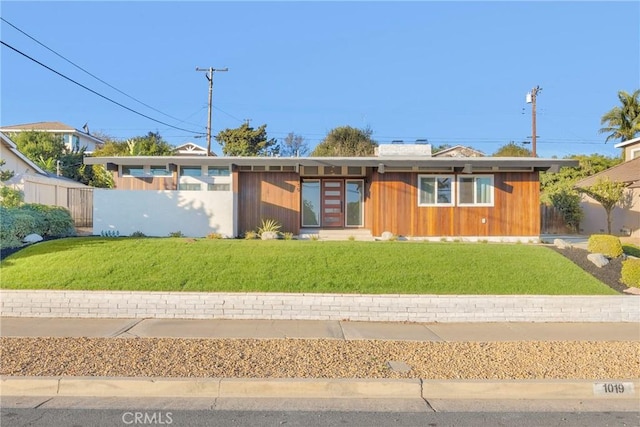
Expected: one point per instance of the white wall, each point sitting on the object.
(158, 213)
(595, 218)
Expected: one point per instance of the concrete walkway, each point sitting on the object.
(310, 329)
(380, 395)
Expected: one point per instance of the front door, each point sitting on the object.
(332, 203)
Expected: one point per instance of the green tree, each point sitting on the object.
(9, 197)
(623, 122)
(346, 141)
(39, 146)
(558, 189)
(608, 193)
(513, 150)
(247, 141)
(437, 148)
(151, 144)
(294, 145)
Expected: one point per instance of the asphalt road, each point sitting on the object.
(197, 418)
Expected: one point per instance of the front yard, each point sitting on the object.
(202, 265)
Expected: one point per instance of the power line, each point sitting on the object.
(92, 75)
(96, 93)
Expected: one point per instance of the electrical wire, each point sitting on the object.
(93, 75)
(96, 93)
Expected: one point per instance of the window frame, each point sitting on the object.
(129, 168)
(190, 168)
(475, 177)
(437, 204)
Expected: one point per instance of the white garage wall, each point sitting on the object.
(158, 213)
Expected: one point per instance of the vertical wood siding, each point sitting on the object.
(393, 206)
(268, 195)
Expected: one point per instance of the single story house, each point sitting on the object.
(40, 186)
(413, 195)
(73, 138)
(625, 218)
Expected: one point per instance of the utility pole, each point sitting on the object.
(209, 76)
(531, 99)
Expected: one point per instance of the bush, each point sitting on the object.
(605, 244)
(632, 250)
(215, 236)
(138, 234)
(176, 234)
(8, 239)
(23, 224)
(250, 235)
(631, 272)
(53, 221)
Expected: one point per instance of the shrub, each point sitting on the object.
(269, 225)
(631, 272)
(23, 224)
(215, 236)
(8, 239)
(632, 250)
(287, 235)
(56, 221)
(176, 234)
(137, 234)
(250, 235)
(605, 244)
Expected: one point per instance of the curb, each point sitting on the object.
(320, 388)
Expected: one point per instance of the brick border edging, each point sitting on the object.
(289, 306)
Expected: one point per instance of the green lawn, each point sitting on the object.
(178, 264)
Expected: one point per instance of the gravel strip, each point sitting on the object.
(313, 358)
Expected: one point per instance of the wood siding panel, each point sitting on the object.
(394, 207)
(268, 195)
(145, 183)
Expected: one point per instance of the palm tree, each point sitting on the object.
(623, 123)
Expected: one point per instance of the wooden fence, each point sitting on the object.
(552, 222)
(80, 204)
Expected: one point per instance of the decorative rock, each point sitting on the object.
(387, 235)
(562, 244)
(32, 238)
(598, 259)
(632, 291)
(269, 235)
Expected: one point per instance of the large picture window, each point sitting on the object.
(435, 190)
(311, 203)
(475, 190)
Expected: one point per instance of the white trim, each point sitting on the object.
(452, 179)
(627, 142)
(635, 153)
(475, 203)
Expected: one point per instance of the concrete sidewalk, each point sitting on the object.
(387, 393)
(316, 329)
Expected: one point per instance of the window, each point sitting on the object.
(159, 171)
(435, 190)
(218, 187)
(475, 190)
(189, 187)
(190, 171)
(218, 171)
(132, 171)
(311, 203)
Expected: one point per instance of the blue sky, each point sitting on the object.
(450, 72)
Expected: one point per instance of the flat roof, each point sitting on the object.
(389, 161)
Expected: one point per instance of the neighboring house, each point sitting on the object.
(626, 217)
(191, 149)
(73, 138)
(411, 194)
(39, 186)
(459, 151)
(631, 148)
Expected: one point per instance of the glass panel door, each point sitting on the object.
(311, 203)
(354, 200)
(332, 203)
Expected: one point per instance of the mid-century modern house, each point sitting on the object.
(73, 138)
(402, 190)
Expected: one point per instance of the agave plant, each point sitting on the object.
(269, 225)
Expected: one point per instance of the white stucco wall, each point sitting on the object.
(158, 213)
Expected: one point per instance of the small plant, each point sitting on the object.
(110, 233)
(138, 234)
(287, 235)
(250, 235)
(630, 274)
(314, 237)
(443, 239)
(605, 244)
(176, 234)
(352, 238)
(269, 225)
(215, 236)
(632, 250)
